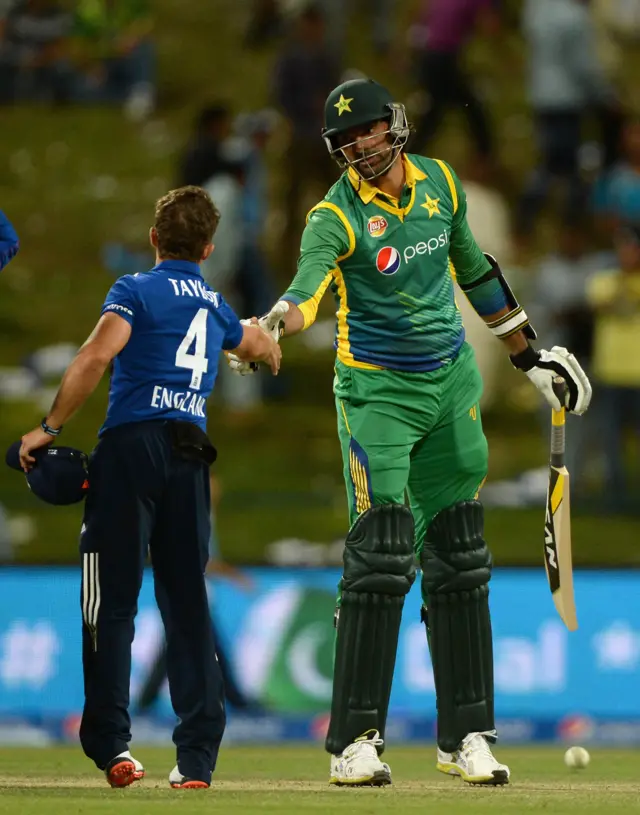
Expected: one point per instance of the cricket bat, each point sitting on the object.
(557, 525)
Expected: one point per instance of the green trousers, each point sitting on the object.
(415, 436)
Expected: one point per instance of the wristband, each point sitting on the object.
(525, 360)
(51, 431)
(516, 320)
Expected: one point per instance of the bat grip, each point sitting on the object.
(557, 444)
(557, 426)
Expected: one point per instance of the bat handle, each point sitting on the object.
(557, 423)
(560, 389)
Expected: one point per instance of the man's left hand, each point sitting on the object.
(33, 440)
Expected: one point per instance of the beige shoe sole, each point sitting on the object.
(497, 779)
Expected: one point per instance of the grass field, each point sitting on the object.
(294, 779)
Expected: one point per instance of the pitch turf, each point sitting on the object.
(294, 779)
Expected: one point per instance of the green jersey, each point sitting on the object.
(390, 264)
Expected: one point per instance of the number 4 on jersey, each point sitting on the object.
(196, 362)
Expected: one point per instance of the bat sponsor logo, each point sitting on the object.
(549, 541)
(551, 550)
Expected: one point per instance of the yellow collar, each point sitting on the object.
(368, 191)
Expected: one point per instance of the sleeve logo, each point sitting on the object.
(117, 307)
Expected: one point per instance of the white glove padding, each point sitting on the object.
(271, 323)
(542, 367)
(239, 366)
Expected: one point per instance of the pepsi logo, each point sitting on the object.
(388, 260)
(377, 226)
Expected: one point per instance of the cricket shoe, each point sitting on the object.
(182, 782)
(123, 770)
(359, 766)
(474, 762)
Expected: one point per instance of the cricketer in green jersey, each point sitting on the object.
(387, 240)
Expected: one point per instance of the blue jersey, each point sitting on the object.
(179, 326)
(9, 243)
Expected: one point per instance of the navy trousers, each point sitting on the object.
(145, 496)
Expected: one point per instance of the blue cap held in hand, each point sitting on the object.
(59, 475)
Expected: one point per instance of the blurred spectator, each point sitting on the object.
(115, 52)
(561, 314)
(304, 75)
(489, 219)
(487, 210)
(615, 298)
(444, 27)
(122, 258)
(617, 23)
(241, 394)
(34, 52)
(616, 195)
(565, 80)
(379, 13)
(257, 292)
(560, 310)
(265, 23)
(202, 158)
(237, 268)
(256, 288)
(269, 19)
(226, 188)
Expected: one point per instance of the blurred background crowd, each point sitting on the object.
(105, 104)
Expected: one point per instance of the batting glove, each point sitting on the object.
(271, 323)
(543, 366)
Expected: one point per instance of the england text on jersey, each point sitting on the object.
(185, 402)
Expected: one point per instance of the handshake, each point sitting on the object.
(272, 324)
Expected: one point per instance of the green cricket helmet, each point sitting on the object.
(356, 103)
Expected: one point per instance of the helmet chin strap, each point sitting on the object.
(395, 146)
(398, 151)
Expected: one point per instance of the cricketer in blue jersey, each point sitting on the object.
(163, 330)
(9, 243)
(178, 327)
(148, 488)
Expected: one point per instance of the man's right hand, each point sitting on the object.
(273, 356)
(256, 346)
